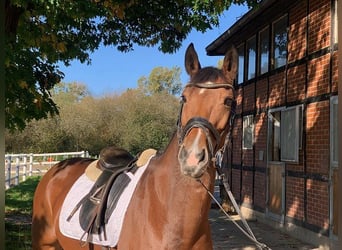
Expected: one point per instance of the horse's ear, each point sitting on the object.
(192, 64)
(230, 63)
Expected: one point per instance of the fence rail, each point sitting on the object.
(20, 166)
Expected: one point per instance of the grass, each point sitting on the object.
(18, 212)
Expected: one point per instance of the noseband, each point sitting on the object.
(205, 125)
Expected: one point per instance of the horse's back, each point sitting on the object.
(48, 200)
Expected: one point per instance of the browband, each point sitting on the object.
(210, 85)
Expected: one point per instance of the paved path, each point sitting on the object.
(226, 236)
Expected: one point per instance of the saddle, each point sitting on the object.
(111, 178)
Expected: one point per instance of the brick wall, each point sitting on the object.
(247, 157)
(235, 185)
(317, 137)
(238, 98)
(276, 90)
(237, 142)
(260, 137)
(249, 98)
(247, 187)
(296, 79)
(297, 32)
(261, 94)
(309, 79)
(318, 76)
(334, 80)
(295, 197)
(318, 207)
(319, 25)
(260, 190)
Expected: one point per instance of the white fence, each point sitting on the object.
(19, 166)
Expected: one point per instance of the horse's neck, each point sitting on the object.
(184, 200)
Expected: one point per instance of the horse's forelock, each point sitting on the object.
(207, 74)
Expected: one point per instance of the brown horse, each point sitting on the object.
(169, 208)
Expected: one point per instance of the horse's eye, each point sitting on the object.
(228, 102)
(182, 99)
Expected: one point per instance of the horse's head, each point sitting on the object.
(207, 107)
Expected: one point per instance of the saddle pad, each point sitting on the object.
(81, 187)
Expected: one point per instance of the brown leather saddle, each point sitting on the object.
(110, 181)
(97, 206)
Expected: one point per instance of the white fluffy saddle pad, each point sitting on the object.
(81, 187)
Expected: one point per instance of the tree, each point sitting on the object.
(133, 120)
(146, 123)
(68, 93)
(39, 34)
(161, 79)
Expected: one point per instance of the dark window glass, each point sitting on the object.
(264, 49)
(251, 54)
(241, 66)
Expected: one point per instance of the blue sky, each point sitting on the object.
(112, 71)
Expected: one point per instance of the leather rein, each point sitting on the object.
(207, 126)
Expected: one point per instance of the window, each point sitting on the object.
(290, 136)
(264, 51)
(241, 66)
(251, 55)
(334, 131)
(248, 132)
(284, 134)
(280, 42)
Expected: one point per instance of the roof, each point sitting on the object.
(254, 20)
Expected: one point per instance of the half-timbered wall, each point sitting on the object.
(309, 80)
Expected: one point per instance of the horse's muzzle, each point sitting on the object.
(193, 161)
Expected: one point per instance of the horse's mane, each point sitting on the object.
(207, 74)
(71, 161)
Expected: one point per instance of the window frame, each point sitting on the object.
(296, 145)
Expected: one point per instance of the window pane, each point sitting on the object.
(248, 132)
(241, 64)
(280, 42)
(289, 131)
(251, 53)
(264, 51)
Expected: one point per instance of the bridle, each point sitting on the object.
(216, 154)
(208, 128)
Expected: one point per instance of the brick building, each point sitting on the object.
(284, 161)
